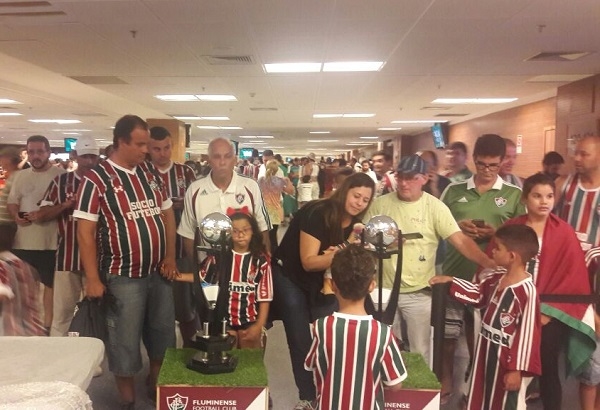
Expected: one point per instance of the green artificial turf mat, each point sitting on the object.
(250, 371)
(419, 374)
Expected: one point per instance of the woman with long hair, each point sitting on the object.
(272, 187)
(317, 231)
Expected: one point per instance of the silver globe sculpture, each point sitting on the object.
(212, 225)
(381, 223)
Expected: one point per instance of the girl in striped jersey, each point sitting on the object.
(250, 282)
(508, 346)
(353, 356)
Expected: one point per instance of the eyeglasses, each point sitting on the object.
(490, 167)
(238, 232)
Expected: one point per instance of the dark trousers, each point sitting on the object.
(554, 337)
(273, 238)
(291, 306)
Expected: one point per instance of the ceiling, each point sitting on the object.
(95, 60)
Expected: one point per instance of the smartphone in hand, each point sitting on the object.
(480, 223)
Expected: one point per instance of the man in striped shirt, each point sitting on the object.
(58, 203)
(353, 356)
(176, 179)
(123, 200)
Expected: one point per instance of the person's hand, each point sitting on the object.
(94, 288)
(22, 221)
(486, 232)
(468, 227)
(440, 279)
(545, 319)
(512, 380)
(251, 335)
(168, 269)
(33, 216)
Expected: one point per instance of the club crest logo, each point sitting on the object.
(181, 182)
(239, 198)
(506, 319)
(153, 185)
(177, 402)
(500, 202)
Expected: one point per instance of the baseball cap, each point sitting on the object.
(87, 145)
(412, 164)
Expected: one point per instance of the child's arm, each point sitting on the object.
(253, 333)
(185, 277)
(393, 369)
(462, 290)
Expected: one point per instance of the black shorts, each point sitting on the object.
(44, 263)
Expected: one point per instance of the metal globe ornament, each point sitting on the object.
(384, 224)
(213, 225)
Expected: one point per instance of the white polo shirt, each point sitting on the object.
(204, 197)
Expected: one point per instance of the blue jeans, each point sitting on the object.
(143, 309)
(292, 307)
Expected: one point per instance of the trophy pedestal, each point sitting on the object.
(212, 357)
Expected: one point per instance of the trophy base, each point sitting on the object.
(213, 364)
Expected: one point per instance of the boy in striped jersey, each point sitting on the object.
(508, 346)
(352, 355)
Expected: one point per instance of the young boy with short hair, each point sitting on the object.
(352, 355)
(508, 346)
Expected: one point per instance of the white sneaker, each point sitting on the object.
(304, 405)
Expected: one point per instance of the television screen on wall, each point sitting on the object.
(70, 144)
(439, 131)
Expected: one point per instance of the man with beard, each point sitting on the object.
(35, 241)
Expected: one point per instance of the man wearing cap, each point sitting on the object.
(58, 204)
(35, 241)
(415, 211)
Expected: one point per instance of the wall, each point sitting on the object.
(535, 122)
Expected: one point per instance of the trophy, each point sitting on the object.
(211, 298)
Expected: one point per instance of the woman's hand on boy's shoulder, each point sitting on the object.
(440, 279)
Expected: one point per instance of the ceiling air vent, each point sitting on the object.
(558, 56)
(98, 79)
(450, 115)
(229, 60)
(263, 109)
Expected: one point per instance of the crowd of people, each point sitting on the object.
(518, 251)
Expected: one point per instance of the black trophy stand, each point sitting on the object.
(381, 252)
(214, 342)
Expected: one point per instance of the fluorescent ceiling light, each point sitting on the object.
(9, 114)
(292, 67)
(416, 121)
(177, 97)
(389, 129)
(353, 66)
(328, 115)
(187, 117)
(320, 132)
(46, 121)
(473, 100)
(256, 136)
(215, 118)
(77, 133)
(72, 130)
(322, 140)
(369, 138)
(359, 143)
(216, 97)
(358, 115)
(9, 101)
(216, 127)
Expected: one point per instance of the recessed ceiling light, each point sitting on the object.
(353, 66)
(369, 138)
(9, 101)
(389, 129)
(215, 118)
(320, 132)
(216, 127)
(358, 115)
(9, 114)
(216, 97)
(231, 128)
(177, 97)
(415, 121)
(72, 130)
(322, 140)
(75, 133)
(292, 67)
(46, 121)
(473, 100)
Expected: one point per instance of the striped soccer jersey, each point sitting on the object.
(509, 338)
(350, 357)
(64, 188)
(176, 180)
(580, 208)
(127, 205)
(250, 282)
